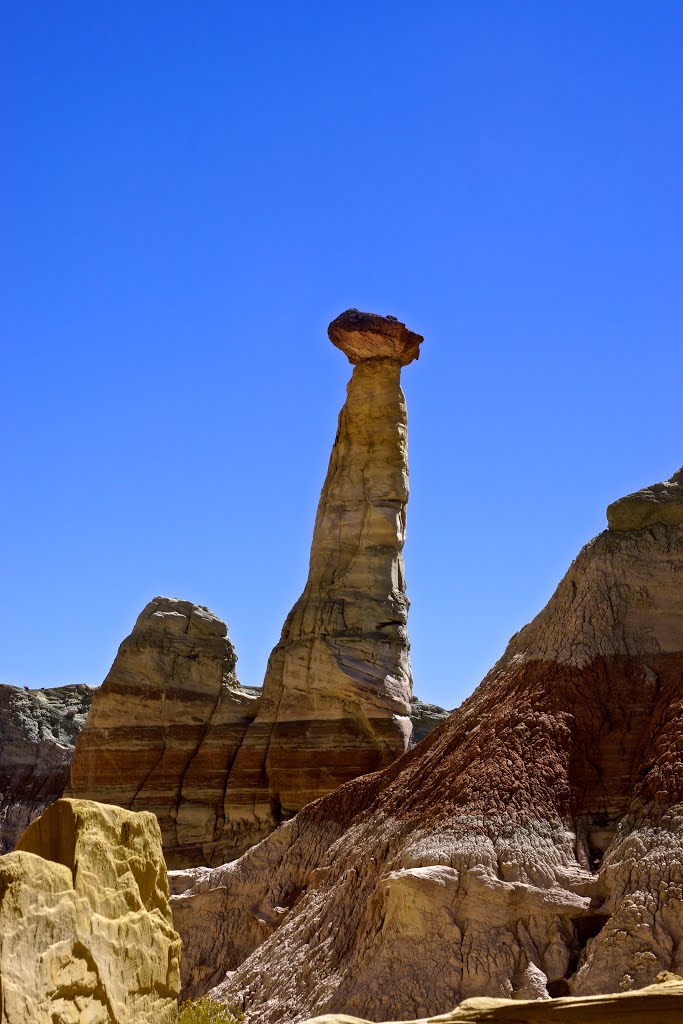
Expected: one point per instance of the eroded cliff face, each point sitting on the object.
(531, 846)
(85, 928)
(172, 731)
(38, 730)
(165, 725)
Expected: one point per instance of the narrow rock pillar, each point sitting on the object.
(336, 695)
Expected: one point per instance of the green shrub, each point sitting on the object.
(208, 1011)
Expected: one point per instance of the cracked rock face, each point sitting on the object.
(38, 730)
(369, 336)
(86, 933)
(532, 846)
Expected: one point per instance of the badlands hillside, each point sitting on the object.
(531, 846)
(335, 847)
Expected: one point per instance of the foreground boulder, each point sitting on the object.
(38, 730)
(86, 935)
(661, 1003)
(531, 846)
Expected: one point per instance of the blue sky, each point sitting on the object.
(191, 192)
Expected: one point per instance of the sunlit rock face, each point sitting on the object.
(661, 1003)
(165, 725)
(363, 336)
(38, 730)
(85, 928)
(531, 846)
(172, 731)
(659, 503)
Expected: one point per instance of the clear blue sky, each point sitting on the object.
(191, 192)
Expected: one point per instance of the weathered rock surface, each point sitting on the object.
(165, 729)
(369, 336)
(165, 726)
(86, 935)
(424, 718)
(531, 846)
(660, 503)
(38, 730)
(661, 1003)
(336, 697)
(172, 731)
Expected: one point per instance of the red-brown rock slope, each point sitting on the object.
(530, 846)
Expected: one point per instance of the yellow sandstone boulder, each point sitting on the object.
(86, 934)
(661, 1003)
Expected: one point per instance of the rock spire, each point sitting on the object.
(336, 697)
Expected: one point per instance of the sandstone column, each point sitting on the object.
(337, 689)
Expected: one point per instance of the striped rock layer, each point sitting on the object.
(172, 731)
(336, 696)
(530, 847)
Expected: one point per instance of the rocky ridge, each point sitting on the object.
(38, 730)
(661, 1003)
(86, 935)
(532, 846)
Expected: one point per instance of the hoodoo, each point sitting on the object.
(172, 731)
(336, 697)
(531, 846)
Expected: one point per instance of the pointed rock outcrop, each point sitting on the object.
(531, 846)
(336, 697)
(165, 725)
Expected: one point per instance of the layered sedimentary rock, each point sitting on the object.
(165, 725)
(86, 935)
(661, 1003)
(172, 731)
(531, 846)
(38, 730)
(336, 697)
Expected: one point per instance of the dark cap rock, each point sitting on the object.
(659, 503)
(370, 336)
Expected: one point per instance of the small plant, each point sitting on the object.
(208, 1011)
